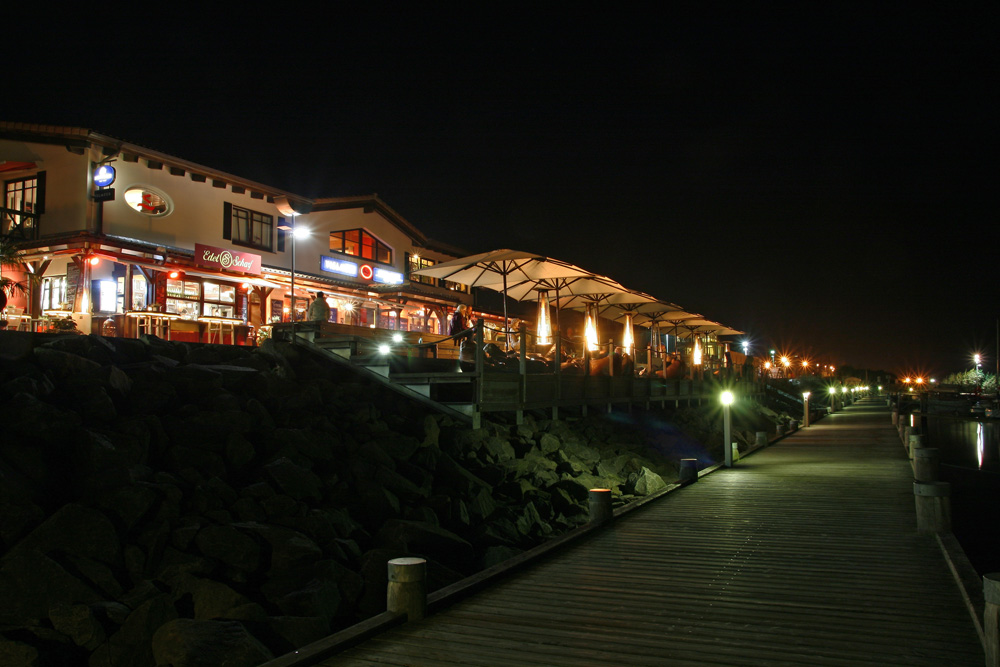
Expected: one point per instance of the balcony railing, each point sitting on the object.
(19, 225)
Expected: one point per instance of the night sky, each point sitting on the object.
(823, 179)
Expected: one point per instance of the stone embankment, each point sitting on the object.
(160, 500)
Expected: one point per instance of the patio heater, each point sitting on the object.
(544, 324)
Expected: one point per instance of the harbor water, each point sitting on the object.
(970, 460)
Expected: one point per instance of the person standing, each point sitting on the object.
(461, 323)
(319, 309)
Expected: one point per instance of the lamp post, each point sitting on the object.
(833, 399)
(805, 409)
(295, 232)
(727, 427)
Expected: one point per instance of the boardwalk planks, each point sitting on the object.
(805, 553)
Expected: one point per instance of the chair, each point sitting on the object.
(23, 322)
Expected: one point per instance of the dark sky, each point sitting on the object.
(822, 179)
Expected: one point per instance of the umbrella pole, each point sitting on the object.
(506, 323)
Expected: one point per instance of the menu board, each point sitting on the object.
(72, 285)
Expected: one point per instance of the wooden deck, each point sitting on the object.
(805, 553)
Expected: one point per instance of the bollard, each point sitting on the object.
(760, 438)
(407, 590)
(895, 417)
(780, 430)
(736, 452)
(600, 506)
(793, 426)
(925, 464)
(933, 503)
(689, 471)
(991, 618)
(916, 442)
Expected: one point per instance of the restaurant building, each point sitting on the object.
(123, 240)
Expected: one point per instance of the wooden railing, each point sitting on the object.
(487, 378)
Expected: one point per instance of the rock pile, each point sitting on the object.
(160, 500)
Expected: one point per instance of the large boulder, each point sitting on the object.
(186, 642)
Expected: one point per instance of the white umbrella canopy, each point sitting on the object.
(492, 269)
(500, 269)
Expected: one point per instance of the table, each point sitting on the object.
(219, 327)
(152, 322)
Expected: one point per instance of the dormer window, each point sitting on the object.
(359, 243)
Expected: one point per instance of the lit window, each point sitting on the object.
(148, 201)
(22, 207)
(359, 243)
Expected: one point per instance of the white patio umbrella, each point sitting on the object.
(651, 314)
(612, 295)
(499, 269)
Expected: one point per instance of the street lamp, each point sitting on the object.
(295, 232)
(805, 409)
(727, 427)
(833, 399)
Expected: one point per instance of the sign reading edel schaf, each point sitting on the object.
(220, 258)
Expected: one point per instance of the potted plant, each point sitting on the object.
(10, 257)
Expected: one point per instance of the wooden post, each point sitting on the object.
(933, 505)
(557, 370)
(689, 471)
(600, 506)
(407, 590)
(916, 441)
(991, 618)
(480, 365)
(926, 464)
(522, 369)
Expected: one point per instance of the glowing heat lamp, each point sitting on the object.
(628, 342)
(697, 352)
(544, 328)
(590, 333)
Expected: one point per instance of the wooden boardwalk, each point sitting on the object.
(805, 553)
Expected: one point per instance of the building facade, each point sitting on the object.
(118, 237)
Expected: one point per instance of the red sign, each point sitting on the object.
(220, 258)
(366, 271)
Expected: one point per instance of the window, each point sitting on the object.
(192, 299)
(54, 293)
(416, 262)
(220, 300)
(148, 201)
(360, 243)
(23, 204)
(249, 228)
(183, 298)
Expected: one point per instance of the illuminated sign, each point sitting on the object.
(340, 266)
(387, 276)
(366, 271)
(104, 176)
(220, 258)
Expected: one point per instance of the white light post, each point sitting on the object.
(727, 427)
(805, 409)
(294, 232)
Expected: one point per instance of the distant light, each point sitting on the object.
(94, 261)
(301, 232)
(397, 337)
(384, 349)
(727, 398)
(805, 395)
